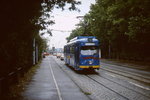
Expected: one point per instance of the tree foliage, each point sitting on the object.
(21, 21)
(123, 27)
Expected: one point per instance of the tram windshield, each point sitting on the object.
(89, 50)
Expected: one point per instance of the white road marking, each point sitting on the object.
(58, 90)
(110, 75)
(146, 88)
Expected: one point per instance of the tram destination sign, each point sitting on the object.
(89, 43)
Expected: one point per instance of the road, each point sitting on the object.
(56, 81)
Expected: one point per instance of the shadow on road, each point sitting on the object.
(84, 72)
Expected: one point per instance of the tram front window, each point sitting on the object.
(89, 50)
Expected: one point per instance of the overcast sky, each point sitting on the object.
(66, 21)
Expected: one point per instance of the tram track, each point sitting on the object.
(116, 76)
(141, 93)
(125, 95)
(129, 75)
(106, 87)
(93, 81)
(141, 74)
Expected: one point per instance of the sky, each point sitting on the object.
(65, 22)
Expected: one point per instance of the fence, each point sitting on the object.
(10, 79)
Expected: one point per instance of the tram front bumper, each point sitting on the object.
(97, 66)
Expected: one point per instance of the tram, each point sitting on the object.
(82, 52)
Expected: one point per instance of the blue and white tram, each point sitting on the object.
(82, 52)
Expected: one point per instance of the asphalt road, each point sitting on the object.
(56, 81)
(51, 83)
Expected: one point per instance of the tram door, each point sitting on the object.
(77, 56)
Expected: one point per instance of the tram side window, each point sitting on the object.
(89, 50)
(68, 49)
(64, 49)
(72, 50)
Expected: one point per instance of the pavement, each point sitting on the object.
(51, 83)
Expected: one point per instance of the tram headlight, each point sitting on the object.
(90, 62)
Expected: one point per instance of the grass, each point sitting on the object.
(16, 90)
(87, 93)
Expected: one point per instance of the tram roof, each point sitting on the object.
(82, 39)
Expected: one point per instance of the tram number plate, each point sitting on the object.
(89, 43)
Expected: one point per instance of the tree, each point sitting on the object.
(123, 28)
(122, 24)
(21, 22)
